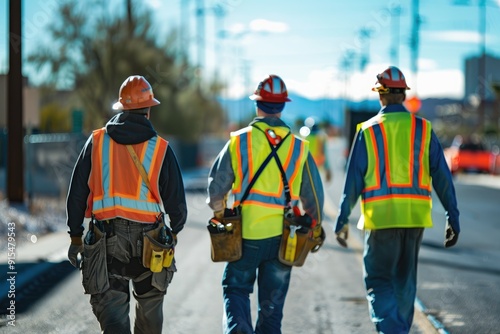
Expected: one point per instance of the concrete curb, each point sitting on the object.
(433, 321)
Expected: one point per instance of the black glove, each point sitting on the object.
(451, 237)
(343, 235)
(75, 248)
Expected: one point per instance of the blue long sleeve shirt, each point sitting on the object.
(442, 181)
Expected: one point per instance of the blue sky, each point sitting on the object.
(305, 41)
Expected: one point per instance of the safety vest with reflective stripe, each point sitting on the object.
(262, 210)
(317, 148)
(397, 189)
(116, 187)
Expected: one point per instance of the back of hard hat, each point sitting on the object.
(135, 93)
(271, 89)
(392, 80)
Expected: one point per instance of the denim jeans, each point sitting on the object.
(390, 269)
(258, 262)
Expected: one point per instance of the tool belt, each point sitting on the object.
(225, 236)
(298, 239)
(157, 243)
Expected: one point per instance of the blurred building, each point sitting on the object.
(31, 107)
(474, 76)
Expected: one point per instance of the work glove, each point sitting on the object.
(451, 237)
(75, 248)
(342, 235)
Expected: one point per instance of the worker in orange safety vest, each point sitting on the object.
(127, 182)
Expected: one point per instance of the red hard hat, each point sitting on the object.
(135, 93)
(271, 89)
(392, 77)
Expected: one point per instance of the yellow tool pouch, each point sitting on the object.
(296, 242)
(156, 255)
(225, 238)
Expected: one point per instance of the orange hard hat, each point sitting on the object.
(271, 89)
(135, 93)
(392, 80)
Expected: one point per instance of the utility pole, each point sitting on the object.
(482, 65)
(415, 41)
(220, 13)
(200, 32)
(364, 35)
(184, 29)
(15, 155)
(395, 20)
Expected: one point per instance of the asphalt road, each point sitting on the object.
(458, 287)
(326, 295)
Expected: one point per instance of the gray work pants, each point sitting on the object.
(124, 265)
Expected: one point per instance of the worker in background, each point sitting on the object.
(318, 141)
(395, 161)
(262, 212)
(107, 187)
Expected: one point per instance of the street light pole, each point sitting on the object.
(482, 80)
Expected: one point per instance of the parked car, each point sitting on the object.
(471, 156)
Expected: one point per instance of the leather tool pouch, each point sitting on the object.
(156, 255)
(226, 240)
(296, 242)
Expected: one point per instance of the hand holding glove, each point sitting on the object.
(342, 235)
(451, 237)
(75, 248)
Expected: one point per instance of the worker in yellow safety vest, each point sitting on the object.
(292, 171)
(125, 181)
(395, 161)
(318, 141)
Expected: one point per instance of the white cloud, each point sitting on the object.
(330, 83)
(441, 83)
(460, 36)
(426, 64)
(236, 29)
(266, 26)
(155, 4)
(319, 83)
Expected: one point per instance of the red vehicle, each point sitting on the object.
(471, 156)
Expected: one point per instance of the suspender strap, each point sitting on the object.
(288, 197)
(274, 154)
(261, 168)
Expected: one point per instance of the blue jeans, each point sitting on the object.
(259, 261)
(390, 270)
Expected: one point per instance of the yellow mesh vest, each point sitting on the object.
(262, 211)
(397, 183)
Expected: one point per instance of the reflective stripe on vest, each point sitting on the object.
(397, 189)
(262, 210)
(116, 187)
